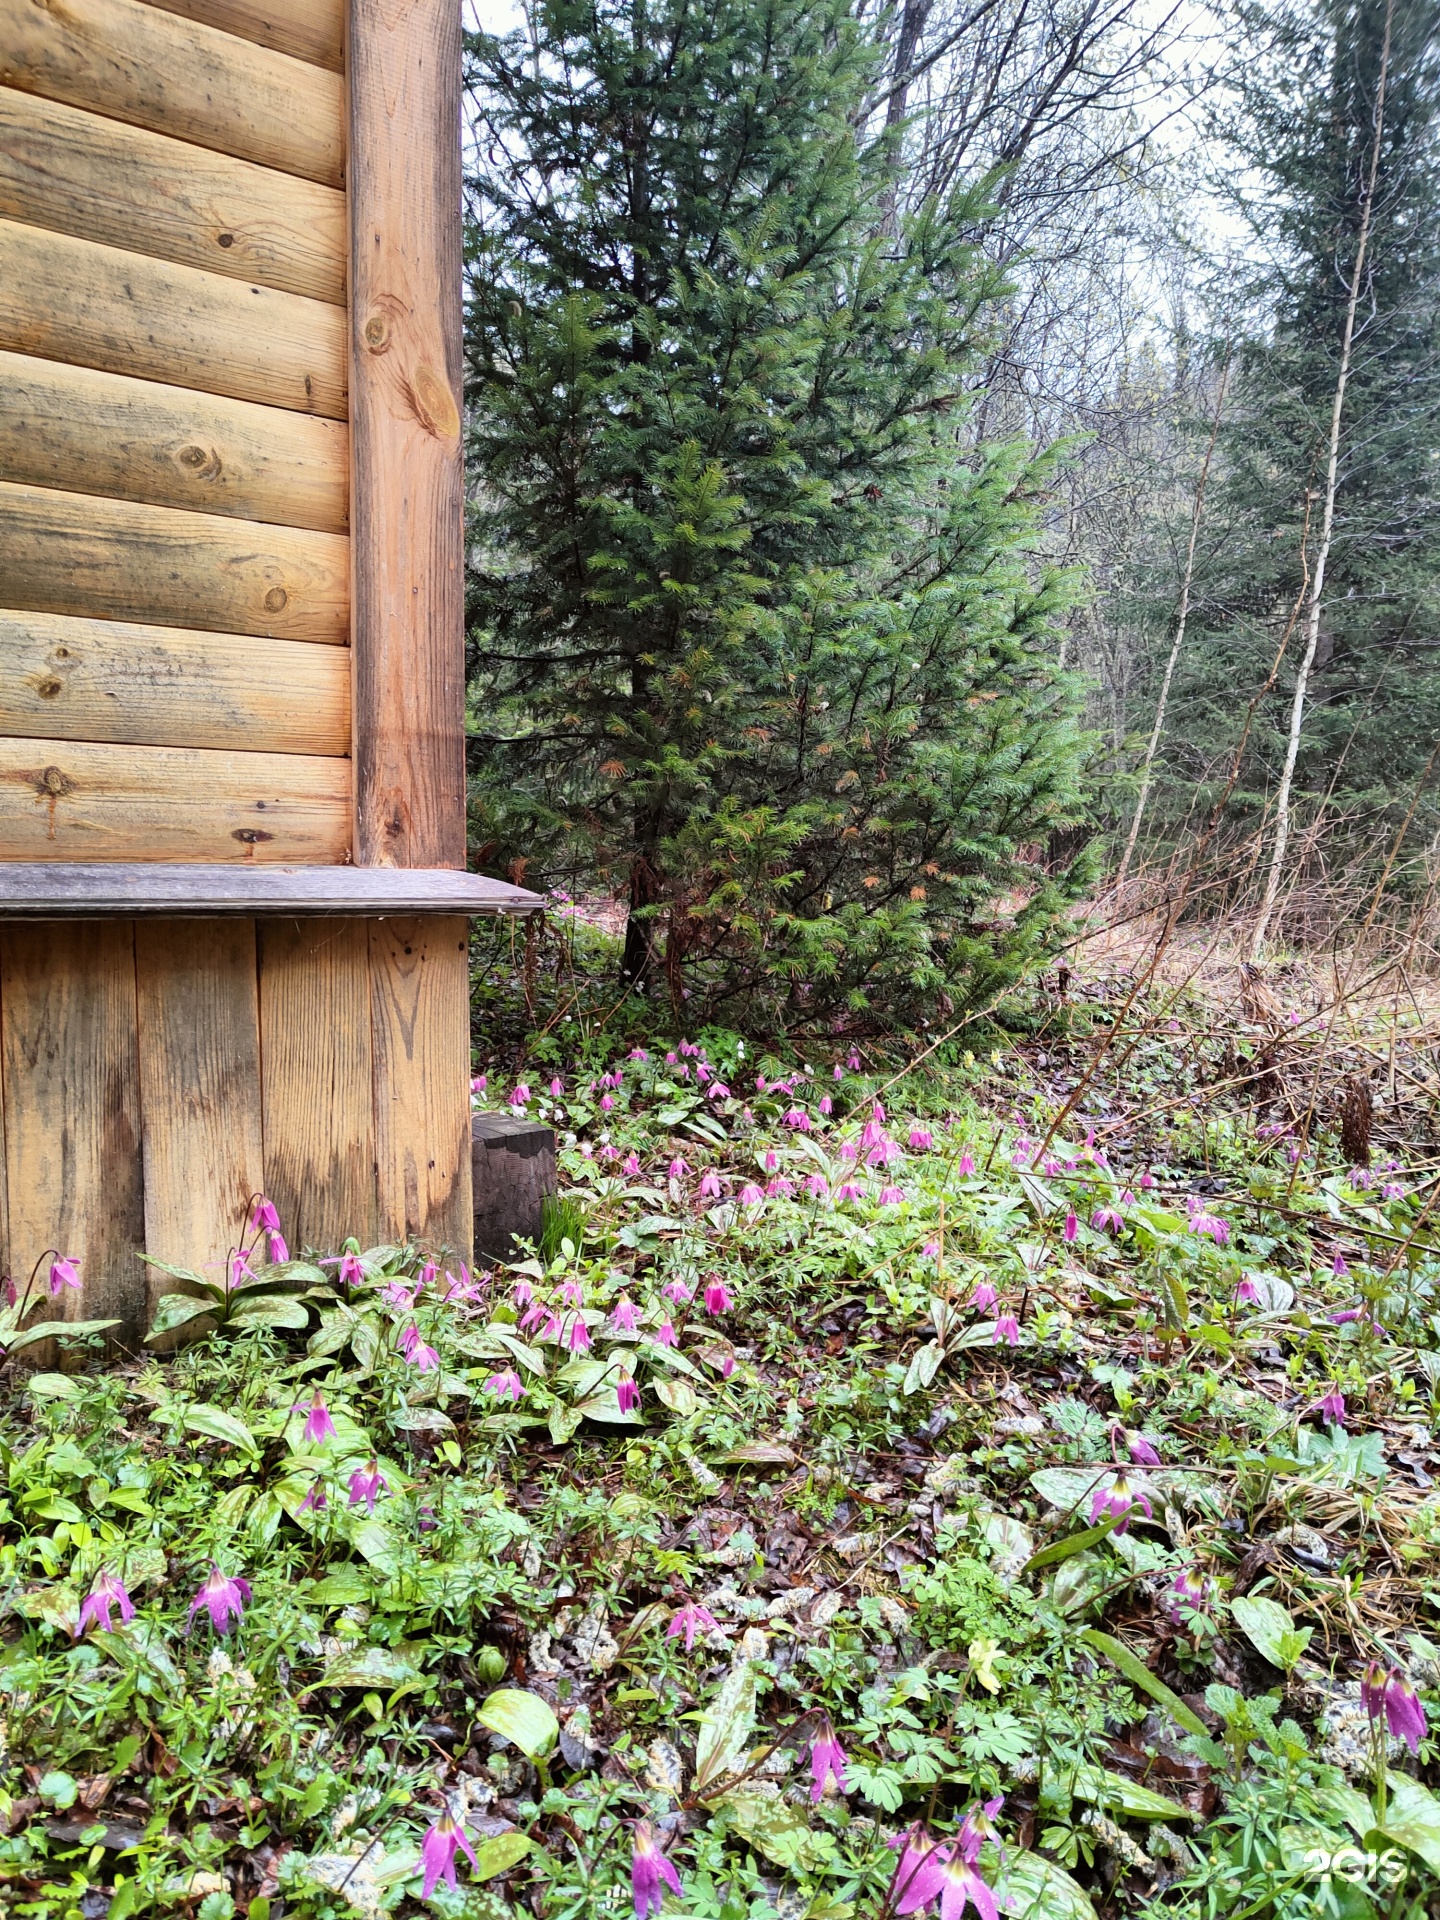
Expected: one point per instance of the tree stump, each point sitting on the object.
(512, 1164)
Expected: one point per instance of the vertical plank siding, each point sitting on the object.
(406, 478)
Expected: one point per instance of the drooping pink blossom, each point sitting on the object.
(827, 1761)
(1246, 1292)
(1188, 1593)
(108, 1591)
(1332, 1407)
(1107, 1219)
(1072, 1227)
(921, 1139)
(1118, 1499)
(797, 1118)
(690, 1620)
(779, 1188)
(817, 1186)
(521, 1096)
(750, 1195)
(437, 1854)
(1389, 1691)
(505, 1385)
(967, 1164)
(223, 1597)
(665, 1335)
(557, 1087)
(1007, 1331)
(572, 1294)
(366, 1486)
(351, 1272)
(577, 1336)
(627, 1393)
(827, 1105)
(648, 1868)
(679, 1168)
(523, 1293)
(314, 1500)
(717, 1300)
(847, 1191)
(625, 1315)
(319, 1427)
(677, 1291)
(63, 1273)
(710, 1188)
(632, 1165)
(917, 1882)
(1141, 1452)
(718, 1091)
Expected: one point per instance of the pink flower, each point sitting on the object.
(717, 1300)
(827, 1105)
(665, 1335)
(63, 1273)
(961, 1885)
(967, 1163)
(797, 1118)
(817, 1186)
(524, 1293)
(727, 1366)
(572, 1293)
(479, 1083)
(240, 1269)
(632, 1164)
(314, 1499)
(677, 1291)
(1072, 1227)
(607, 1103)
(1107, 1217)
(351, 1272)
(779, 1188)
(437, 1854)
(1188, 1593)
(719, 1092)
(1246, 1292)
(978, 1826)
(263, 1217)
(396, 1294)
(557, 1087)
(222, 1597)
(690, 1620)
(366, 1486)
(679, 1168)
(1142, 1453)
(1390, 1692)
(624, 1316)
(1339, 1267)
(710, 1188)
(984, 1296)
(578, 1336)
(1118, 1499)
(750, 1195)
(847, 1151)
(637, 1053)
(921, 1139)
(847, 1191)
(771, 1161)
(930, 1250)
(319, 1427)
(422, 1357)
(827, 1761)
(648, 1867)
(533, 1315)
(627, 1393)
(1147, 1181)
(506, 1385)
(1007, 1329)
(107, 1592)
(1332, 1407)
(917, 1880)
(891, 1196)
(521, 1096)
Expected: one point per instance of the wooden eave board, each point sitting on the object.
(88, 890)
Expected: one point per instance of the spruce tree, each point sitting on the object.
(752, 624)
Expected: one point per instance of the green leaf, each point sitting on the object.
(563, 1422)
(53, 1386)
(780, 1832)
(1076, 1543)
(343, 1586)
(1270, 1629)
(923, 1367)
(370, 1667)
(1113, 1791)
(499, 1854)
(270, 1310)
(725, 1728)
(178, 1310)
(1070, 1489)
(213, 1423)
(1039, 1890)
(1139, 1675)
(373, 1540)
(679, 1396)
(56, 1330)
(1079, 1582)
(757, 1453)
(524, 1719)
(1412, 1818)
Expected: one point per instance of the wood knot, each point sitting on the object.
(53, 783)
(377, 333)
(276, 600)
(251, 836)
(435, 404)
(227, 239)
(49, 687)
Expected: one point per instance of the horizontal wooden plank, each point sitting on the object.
(85, 890)
(309, 29)
(92, 432)
(64, 800)
(99, 179)
(68, 679)
(152, 68)
(112, 560)
(98, 306)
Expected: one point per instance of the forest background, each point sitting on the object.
(936, 465)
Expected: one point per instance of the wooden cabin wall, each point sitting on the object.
(175, 561)
(158, 1073)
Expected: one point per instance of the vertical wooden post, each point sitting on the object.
(407, 492)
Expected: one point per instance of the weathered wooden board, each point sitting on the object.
(90, 432)
(66, 800)
(309, 29)
(68, 679)
(98, 306)
(80, 889)
(315, 1051)
(68, 1044)
(152, 68)
(420, 1009)
(199, 1033)
(99, 179)
(113, 560)
(407, 492)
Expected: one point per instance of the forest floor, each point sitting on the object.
(1049, 1418)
